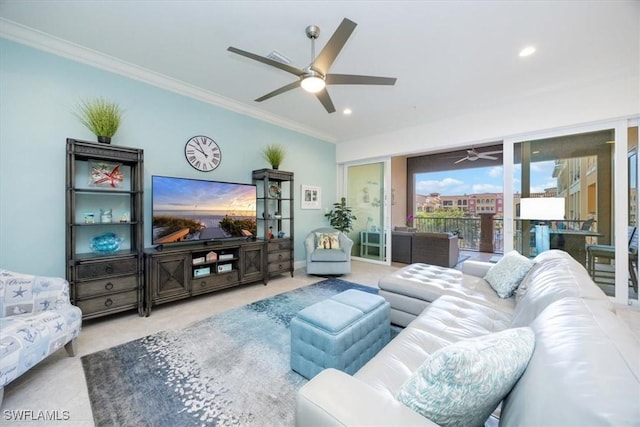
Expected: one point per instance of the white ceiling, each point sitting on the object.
(450, 57)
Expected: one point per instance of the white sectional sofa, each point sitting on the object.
(584, 370)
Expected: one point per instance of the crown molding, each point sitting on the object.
(42, 41)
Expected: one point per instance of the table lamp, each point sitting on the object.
(542, 209)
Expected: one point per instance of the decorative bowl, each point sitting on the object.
(106, 243)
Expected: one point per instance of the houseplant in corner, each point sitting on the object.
(340, 217)
(100, 116)
(274, 154)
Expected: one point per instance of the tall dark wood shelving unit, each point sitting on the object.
(275, 219)
(104, 283)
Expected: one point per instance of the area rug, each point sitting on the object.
(228, 370)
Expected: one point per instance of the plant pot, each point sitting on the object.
(274, 167)
(104, 139)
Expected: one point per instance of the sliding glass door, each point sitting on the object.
(592, 173)
(366, 196)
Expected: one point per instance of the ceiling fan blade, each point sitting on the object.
(333, 47)
(325, 99)
(492, 152)
(288, 68)
(461, 160)
(278, 91)
(354, 79)
(484, 156)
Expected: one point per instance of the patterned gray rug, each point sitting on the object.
(228, 370)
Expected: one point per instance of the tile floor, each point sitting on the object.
(57, 383)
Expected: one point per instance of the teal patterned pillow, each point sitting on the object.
(506, 275)
(461, 384)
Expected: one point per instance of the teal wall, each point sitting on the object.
(38, 92)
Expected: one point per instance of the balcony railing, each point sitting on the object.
(468, 229)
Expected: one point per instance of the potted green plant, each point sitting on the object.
(274, 154)
(340, 217)
(100, 116)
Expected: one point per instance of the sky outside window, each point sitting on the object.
(483, 180)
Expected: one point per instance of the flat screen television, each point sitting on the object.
(194, 210)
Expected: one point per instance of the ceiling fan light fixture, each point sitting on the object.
(527, 51)
(313, 83)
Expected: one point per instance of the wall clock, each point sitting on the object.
(203, 153)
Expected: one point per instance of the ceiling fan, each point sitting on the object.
(315, 77)
(473, 155)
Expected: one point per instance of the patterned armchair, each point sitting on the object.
(36, 319)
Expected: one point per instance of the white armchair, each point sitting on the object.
(328, 252)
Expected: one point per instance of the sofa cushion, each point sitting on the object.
(329, 255)
(26, 293)
(584, 371)
(506, 275)
(327, 240)
(447, 320)
(557, 275)
(461, 384)
(424, 282)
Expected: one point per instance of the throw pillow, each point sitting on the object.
(461, 384)
(506, 275)
(328, 240)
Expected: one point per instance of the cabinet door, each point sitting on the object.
(252, 262)
(169, 276)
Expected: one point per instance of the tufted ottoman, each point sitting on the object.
(343, 332)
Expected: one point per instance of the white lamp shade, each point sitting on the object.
(542, 208)
(312, 84)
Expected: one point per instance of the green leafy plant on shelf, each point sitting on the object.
(274, 154)
(100, 116)
(340, 217)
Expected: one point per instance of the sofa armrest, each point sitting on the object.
(476, 268)
(333, 398)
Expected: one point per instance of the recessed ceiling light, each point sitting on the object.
(347, 111)
(527, 51)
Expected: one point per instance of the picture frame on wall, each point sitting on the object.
(310, 197)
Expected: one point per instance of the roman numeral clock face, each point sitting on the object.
(203, 153)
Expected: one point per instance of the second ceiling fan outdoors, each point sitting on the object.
(473, 155)
(316, 76)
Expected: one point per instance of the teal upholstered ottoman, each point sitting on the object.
(343, 332)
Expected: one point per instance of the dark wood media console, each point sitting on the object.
(175, 273)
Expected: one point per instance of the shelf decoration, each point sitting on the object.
(105, 174)
(106, 243)
(274, 191)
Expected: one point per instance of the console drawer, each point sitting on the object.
(108, 303)
(215, 281)
(279, 245)
(92, 270)
(278, 256)
(279, 266)
(105, 286)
